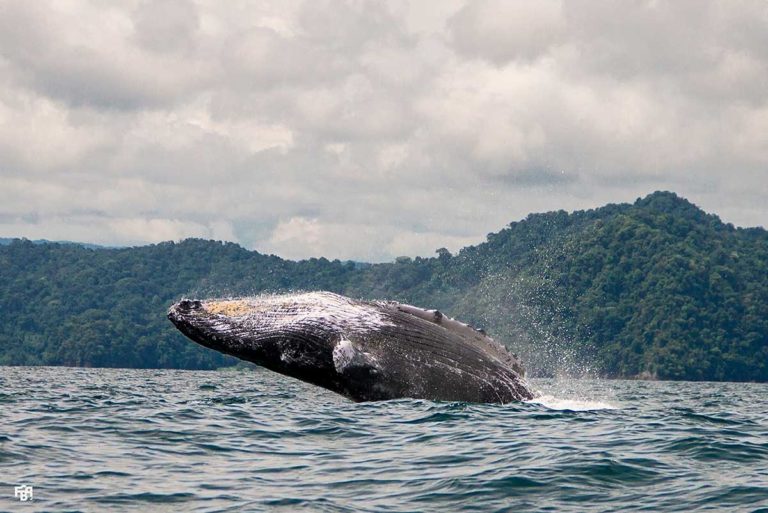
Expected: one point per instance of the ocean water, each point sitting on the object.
(153, 441)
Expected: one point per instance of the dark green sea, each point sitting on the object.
(151, 441)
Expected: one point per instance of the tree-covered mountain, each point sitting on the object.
(656, 288)
(4, 241)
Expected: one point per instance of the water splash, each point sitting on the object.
(558, 403)
(528, 313)
(575, 394)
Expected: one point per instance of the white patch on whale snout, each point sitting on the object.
(347, 356)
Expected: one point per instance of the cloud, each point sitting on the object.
(88, 55)
(158, 230)
(370, 130)
(298, 237)
(507, 30)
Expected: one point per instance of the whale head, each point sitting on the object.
(300, 335)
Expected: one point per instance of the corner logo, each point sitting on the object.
(23, 493)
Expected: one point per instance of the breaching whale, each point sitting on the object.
(364, 350)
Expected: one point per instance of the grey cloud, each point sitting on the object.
(349, 26)
(369, 130)
(261, 58)
(503, 30)
(12, 218)
(538, 177)
(87, 57)
(166, 25)
(711, 49)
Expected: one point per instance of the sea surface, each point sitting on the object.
(195, 441)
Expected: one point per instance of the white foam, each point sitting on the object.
(556, 403)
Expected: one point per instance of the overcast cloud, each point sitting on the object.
(368, 130)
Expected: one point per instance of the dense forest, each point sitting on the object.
(657, 289)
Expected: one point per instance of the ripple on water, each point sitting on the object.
(131, 440)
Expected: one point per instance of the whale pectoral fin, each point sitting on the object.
(361, 376)
(350, 360)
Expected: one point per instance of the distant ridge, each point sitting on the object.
(657, 289)
(4, 241)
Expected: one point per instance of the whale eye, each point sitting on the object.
(189, 305)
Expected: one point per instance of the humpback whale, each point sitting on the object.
(363, 350)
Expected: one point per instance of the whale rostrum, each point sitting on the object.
(364, 350)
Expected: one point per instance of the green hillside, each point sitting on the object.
(657, 288)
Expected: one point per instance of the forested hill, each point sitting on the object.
(656, 288)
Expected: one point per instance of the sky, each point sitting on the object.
(370, 130)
